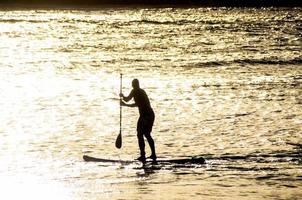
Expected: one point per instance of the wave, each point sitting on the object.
(241, 62)
(281, 156)
(22, 20)
(172, 22)
(295, 61)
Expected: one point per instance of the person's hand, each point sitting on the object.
(122, 103)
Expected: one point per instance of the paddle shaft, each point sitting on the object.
(121, 84)
(118, 141)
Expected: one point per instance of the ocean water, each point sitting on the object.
(224, 83)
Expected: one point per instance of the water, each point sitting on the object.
(224, 83)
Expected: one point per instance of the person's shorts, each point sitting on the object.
(145, 123)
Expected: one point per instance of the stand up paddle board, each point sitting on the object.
(192, 160)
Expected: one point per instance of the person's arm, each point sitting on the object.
(128, 98)
(128, 105)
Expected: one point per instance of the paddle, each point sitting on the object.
(118, 141)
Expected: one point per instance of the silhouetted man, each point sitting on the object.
(146, 118)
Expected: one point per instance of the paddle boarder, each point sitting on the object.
(146, 118)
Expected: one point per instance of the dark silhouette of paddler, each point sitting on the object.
(145, 121)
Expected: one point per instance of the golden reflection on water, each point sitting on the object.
(59, 86)
(24, 186)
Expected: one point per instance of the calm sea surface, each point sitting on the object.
(225, 84)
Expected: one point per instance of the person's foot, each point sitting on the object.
(153, 157)
(142, 159)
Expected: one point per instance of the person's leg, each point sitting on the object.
(140, 138)
(141, 144)
(147, 133)
(151, 144)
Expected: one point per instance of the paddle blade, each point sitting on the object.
(118, 141)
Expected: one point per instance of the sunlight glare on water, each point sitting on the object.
(225, 84)
(26, 187)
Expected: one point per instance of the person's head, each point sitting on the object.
(135, 83)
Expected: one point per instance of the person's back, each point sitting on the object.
(142, 101)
